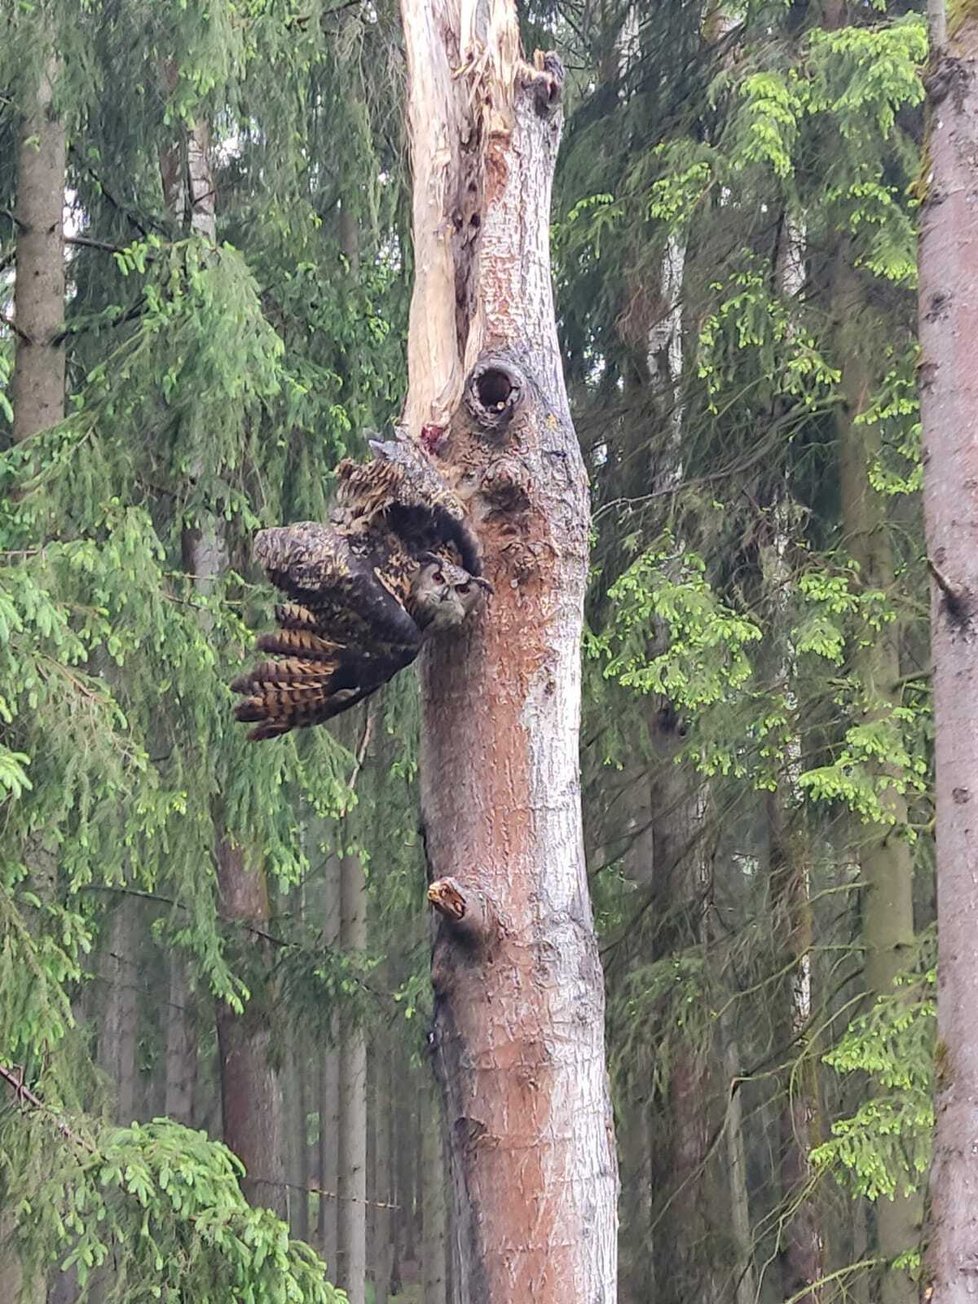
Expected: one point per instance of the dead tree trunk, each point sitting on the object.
(519, 997)
(949, 410)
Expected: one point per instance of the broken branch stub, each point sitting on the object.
(465, 910)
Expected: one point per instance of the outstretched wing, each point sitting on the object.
(404, 485)
(345, 633)
(356, 596)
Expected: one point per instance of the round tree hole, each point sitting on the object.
(495, 389)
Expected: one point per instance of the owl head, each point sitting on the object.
(444, 594)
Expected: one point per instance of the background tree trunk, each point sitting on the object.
(329, 1086)
(251, 1098)
(434, 1204)
(351, 1256)
(883, 851)
(251, 1101)
(117, 1036)
(800, 1235)
(949, 411)
(518, 986)
(39, 293)
(181, 1047)
(38, 399)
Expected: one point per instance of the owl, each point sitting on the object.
(397, 564)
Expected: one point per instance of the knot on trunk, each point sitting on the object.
(493, 393)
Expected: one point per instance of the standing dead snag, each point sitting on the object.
(519, 1035)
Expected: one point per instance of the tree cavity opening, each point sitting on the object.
(493, 393)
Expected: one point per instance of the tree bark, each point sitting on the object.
(518, 1028)
(949, 410)
(38, 387)
(351, 1257)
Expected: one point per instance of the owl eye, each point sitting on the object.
(463, 588)
(438, 576)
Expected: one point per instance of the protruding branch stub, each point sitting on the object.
(464, 909)
(494, 390)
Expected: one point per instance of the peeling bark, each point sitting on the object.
(518, 1030)
(948, 307)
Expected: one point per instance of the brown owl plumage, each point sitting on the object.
(397, 563)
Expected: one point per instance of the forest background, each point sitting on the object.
(203, 940)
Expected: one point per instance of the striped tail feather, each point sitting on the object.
(290, 615)
(301, 643)
(297, 691)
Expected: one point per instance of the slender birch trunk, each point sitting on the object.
(800, 1235)
(518, 1029)
(801, 1240)
(949, 410)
